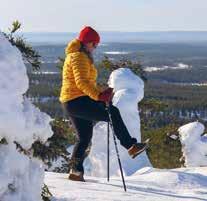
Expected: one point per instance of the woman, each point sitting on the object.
(85, 103)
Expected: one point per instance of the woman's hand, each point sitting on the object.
(106, 96)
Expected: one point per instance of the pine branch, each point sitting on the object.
(46, 194)
(60, 64)
(135, 66)
(29, 54)
(3, 141)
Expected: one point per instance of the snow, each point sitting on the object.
(116, 53)
(143, 183)
(15, 109)
(128, 88)
(148, 184)
(180, 66)
(199, 84)
(45, 72)
(194, 144)
(21, 176)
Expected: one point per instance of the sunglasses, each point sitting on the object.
(95, 45)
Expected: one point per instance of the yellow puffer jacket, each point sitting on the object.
(79, 75)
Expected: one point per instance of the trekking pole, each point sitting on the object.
(115, 143)
(108, 151)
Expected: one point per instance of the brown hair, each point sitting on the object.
(83, 49)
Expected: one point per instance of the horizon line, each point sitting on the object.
(157, 31)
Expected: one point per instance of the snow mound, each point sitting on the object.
(21, 177)
(129, 90)
(180, 178)
(194, 144)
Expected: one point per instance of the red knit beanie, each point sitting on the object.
(88, 35)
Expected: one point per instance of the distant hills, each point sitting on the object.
(125, 37)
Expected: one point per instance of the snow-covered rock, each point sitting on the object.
(21, 177)
(194, 144)
(129, 90)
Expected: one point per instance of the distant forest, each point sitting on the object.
(179, 99)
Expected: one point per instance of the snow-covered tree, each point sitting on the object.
(21, 124)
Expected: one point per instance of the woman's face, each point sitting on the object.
(90, 47)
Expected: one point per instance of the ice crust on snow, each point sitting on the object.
(129, 90)
(21, 177)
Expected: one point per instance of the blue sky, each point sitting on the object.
(105, 15)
